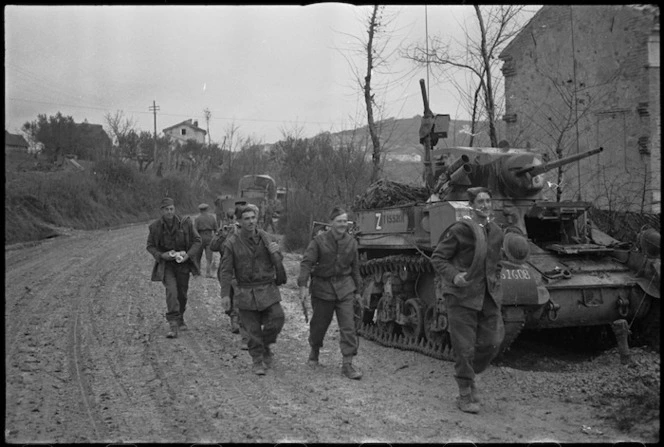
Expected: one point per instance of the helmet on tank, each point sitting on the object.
(650, 242)
(516, 247)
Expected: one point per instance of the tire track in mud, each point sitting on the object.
(39, 325)
(256, 398)
(81, 352)
(121, 332)
(218, 401)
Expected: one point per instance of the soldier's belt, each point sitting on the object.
(255, 284)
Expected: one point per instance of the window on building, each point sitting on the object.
(183, 131)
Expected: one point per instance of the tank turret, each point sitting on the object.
(512, 174)
(519, 174)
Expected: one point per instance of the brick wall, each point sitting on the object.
(597, 58)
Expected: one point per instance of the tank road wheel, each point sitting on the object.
(432, 325)
(362, 316)
(413, 318)
(385, 327)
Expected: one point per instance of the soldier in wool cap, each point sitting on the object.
(174, 243)
(335, 284)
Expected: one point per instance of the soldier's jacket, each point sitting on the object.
(333, 265)
(248, 260)
(454, 253)
(206, 225)
(206, 222)
(184, 237)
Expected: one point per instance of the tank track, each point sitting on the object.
(374, 332)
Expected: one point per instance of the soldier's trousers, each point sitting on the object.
(262, 328)
(324, 310)
(176, 282)
(476, 338)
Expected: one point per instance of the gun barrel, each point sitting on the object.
(540, 169)
(463, 160)
(425, 99)
(460, 175)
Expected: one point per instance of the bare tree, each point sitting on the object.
(232, 143)
(497, 25)
(555, 122)
(376, 51)
(120, 126)
(207, 114)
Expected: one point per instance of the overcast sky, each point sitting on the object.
(264, 69)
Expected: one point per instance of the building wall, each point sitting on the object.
(15, 148)
(191, 134)
(655, 115)
(597, 58)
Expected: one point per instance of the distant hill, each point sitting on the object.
(400, 137)
(403, 151)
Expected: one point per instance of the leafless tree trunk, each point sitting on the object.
(374, 49)
(497, 25)
(368, 97)
(231, 142)
(119, 126)
(486, 68)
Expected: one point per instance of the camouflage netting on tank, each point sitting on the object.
(624, 226)
(385, 193)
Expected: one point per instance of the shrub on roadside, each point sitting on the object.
(110, 193)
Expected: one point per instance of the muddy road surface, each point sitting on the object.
(86, 360)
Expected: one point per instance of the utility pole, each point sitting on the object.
(153, 108)
(208, 114)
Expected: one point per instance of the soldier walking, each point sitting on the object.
(335, 283)
(473, 293)
(175, 244)
(249, 256)
(206, 225)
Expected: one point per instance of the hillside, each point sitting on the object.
(400, 137)
(403, 151)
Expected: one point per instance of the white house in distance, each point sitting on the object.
(186, 130)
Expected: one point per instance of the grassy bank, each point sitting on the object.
(107, 193)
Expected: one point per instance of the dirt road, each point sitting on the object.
(87, 361)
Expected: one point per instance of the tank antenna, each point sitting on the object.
(426, 32)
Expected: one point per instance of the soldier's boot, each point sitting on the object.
(474, 393)
(257, 367)
(348, 370)
(268, 357)
(244, 339)
(313, 357)
(235, 324)
(173, 329)
(182, 326)
(465, 401)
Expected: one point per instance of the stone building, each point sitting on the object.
(578, 77)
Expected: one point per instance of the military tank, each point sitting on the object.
(569, 274)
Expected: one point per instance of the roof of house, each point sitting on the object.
(12, 139)
(188, 123)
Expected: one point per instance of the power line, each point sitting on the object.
(180, 115)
